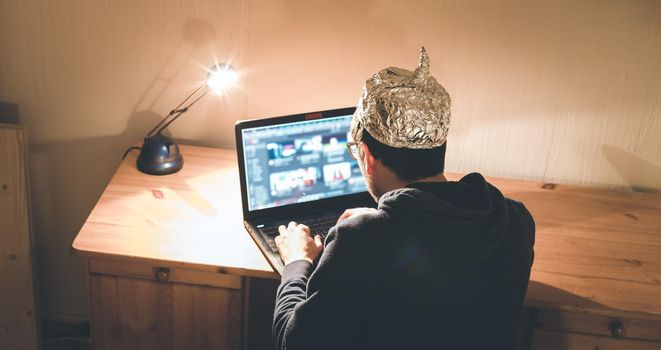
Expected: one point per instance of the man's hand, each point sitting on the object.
(295, 243)
(355, 212)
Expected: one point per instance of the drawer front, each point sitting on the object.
(617, 328)
(548, 340)
(165, 274)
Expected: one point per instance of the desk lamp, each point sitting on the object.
(159, 154)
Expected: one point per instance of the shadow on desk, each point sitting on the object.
(540, 295)
(557, 319)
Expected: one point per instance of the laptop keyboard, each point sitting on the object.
(318, 226)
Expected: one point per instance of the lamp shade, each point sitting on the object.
(221, 77)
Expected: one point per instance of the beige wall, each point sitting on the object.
(557, 90)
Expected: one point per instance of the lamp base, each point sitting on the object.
(159, 155)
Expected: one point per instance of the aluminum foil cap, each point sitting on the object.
(404, 109)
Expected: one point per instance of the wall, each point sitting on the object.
(554, 90)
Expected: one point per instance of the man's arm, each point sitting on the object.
(298, 251)
(291, 292)
(321, 317)
(327, 312)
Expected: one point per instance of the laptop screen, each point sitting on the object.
(299, 162)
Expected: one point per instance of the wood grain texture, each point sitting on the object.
(207, 318)
(129, 313)
(576, 322)
(190, 219)
(18, 318)
(596, 250)
(175, 274)
(545, 340)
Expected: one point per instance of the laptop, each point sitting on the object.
(297, 168)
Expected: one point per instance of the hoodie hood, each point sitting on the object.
(465, 219)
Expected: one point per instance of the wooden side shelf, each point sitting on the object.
(18, 317)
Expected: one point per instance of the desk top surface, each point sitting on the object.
(192, 218)
(596, 251)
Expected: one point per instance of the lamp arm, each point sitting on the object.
(181, 111)
(177, 110)
(157, 126)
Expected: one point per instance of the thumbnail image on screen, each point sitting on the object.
(299, 162)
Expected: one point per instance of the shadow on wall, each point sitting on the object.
(68, 177)
(197, 32)
(9, 113)
(639, 174)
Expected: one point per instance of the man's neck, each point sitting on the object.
(436, 178)
(391, 182)
(388, 181)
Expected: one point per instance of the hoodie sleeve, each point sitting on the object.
(291, 292)
(332, 298)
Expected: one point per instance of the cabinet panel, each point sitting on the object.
(131, 313)
(206, 318)
(548, 340)
(18, 325)
(562, 321)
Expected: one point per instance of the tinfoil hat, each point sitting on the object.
(404, 109)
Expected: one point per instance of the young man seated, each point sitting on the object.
(438, 265)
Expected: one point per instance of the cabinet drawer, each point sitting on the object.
(548, 340)
(622, 328)
(165, 274)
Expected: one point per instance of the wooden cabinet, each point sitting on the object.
(154, 307)
(144, 306)
(18, 317)
(555, 329)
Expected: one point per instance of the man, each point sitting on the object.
(438, 265)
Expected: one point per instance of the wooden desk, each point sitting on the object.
(169, 257)
(171, 264)
(597, 266)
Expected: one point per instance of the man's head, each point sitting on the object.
(400, 127)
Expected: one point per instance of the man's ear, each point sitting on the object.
(369, 160)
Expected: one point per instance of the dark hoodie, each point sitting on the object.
(442, 265)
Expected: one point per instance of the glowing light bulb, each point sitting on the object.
(221, 76)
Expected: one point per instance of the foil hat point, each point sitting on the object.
(422, 72)
(404, 109)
